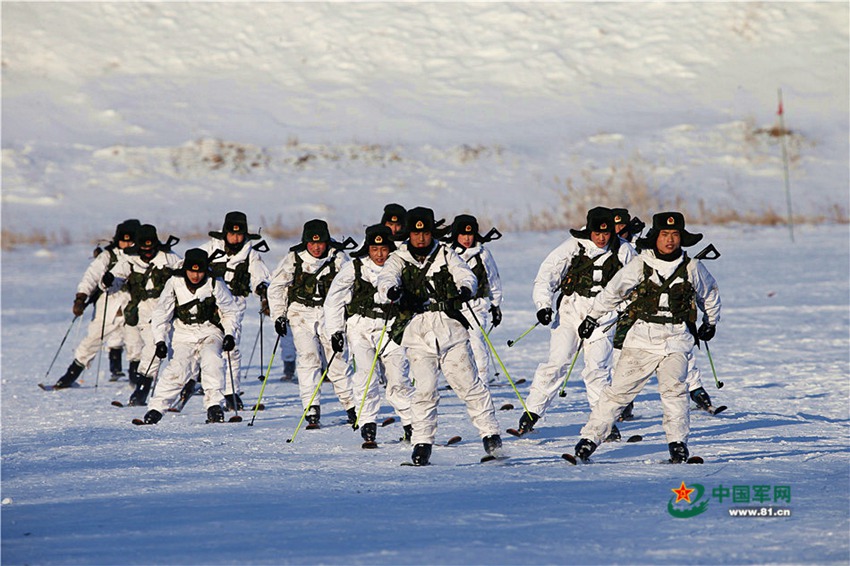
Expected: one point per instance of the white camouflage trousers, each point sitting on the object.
(186, 357)
(313, 349)
(459, 369)
(633, 370)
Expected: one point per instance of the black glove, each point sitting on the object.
(262, 290)
(587, 326)
(544, 316)
(280, 326)
(706, 331)
(496, 314)
(337, 342)
(394, 293)
(108, 279)
(465, 294)
(228, 343)
(79, 304)
(161, 350)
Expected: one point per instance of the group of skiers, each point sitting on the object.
(414, 304)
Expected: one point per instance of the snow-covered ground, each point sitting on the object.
(176, 113)
(88, 487)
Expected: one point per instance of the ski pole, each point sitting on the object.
(251, 357)
(265, 380)
(719, 384)
(356, 424)
(102, 332)
(236, 418)
(67, 332)
(499, 359)
(310, 403)
(521, 336)
(261, 338)
(562, 392)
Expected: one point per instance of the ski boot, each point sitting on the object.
(526, 423)
(614, 435)
(314, 413)
(352, 416)
(152, 417)
(584, 449)
(369, 432)
(288, 371)
(231, 401)
(678, 452)
(627, 413)
(115, 371)
(492, 444)
(73, 372)
(139, 397)
(215, 414)
(408, 434)
(701, 398)
(133, 372)
(421, 454)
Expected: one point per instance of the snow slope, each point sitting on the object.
(496, 107)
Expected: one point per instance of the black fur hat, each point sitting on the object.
(126, 231)
(315, 230)
(621, 215)
(196, 259)
(235, 222)
(420, 219)
(394, 213)
(599, 219)
(668, 221)
(376, 235)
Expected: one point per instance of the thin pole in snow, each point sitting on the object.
(782, 133)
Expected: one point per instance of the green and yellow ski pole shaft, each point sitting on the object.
(265, 381)
(310, 402)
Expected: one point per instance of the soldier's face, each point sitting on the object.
(194, 276)
(466, 240)
(619, 229)
(394, 226)
(379, 254)
(124, 244)
(317, 249)
(234, 238)
(601, 239)
(668, 241)
(420, 239)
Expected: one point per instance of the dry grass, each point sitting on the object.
(10, 240)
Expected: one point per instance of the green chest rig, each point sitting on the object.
(310, 289)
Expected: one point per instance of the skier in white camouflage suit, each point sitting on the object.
(486, 304)
(143, 272)
(198, 312)
(430, 283)
(296, 295)
(352, 313)
(568, 279)
(107, 324)
(236, 260)
(628, 228)
(668, 287)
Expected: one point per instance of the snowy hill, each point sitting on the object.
(524, 114)
(514, 112)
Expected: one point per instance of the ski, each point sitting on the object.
(515, 432)
(453, 440)
(313, 426)
(414, 465)
(692, 460)
(493, 458)
(369, 445)
(388, 421)
(47, 387)
(140, 422)
(634, 438)
(117, 404)
(258, 407)
(235, 419)
(506, 407)
(712, 410)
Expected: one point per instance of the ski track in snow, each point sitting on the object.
(86, 486)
